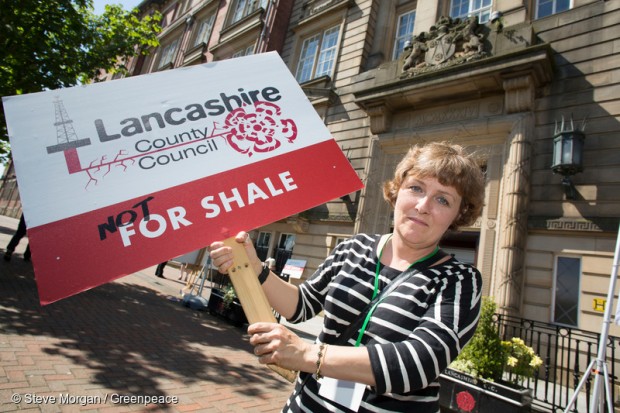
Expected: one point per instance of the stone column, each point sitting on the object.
(489, 226)
(374, 213)
(519, 97)
(513, 219)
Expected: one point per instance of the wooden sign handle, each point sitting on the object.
(251, 295)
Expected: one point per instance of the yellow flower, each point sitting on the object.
(512, 361)
(536, 362)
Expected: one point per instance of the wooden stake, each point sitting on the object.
(251, 295)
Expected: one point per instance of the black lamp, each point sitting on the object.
(568, 155)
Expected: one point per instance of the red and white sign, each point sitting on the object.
(294, 268)
(117, 176)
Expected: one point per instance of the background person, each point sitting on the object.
(159, 270)
(19, 234)
(418, 328)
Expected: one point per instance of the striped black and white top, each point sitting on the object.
(412, 335)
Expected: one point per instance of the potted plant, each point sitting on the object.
(230, 295)
(489, 373)
(225, 303)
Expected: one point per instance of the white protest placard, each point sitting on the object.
(294, 268)
(117, 176)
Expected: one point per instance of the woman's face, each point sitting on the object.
(424, 210)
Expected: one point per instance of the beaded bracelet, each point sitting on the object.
(319, 360)
(262, 277)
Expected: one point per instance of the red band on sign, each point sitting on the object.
(87, 250)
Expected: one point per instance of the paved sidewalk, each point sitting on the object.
(127, 339)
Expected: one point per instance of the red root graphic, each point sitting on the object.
(258, 128)
(99, 166)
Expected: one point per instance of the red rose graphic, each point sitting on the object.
(258, 128)
(465, 401)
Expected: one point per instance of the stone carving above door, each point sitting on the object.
(449, 42)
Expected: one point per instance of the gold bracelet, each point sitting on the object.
(319, 360)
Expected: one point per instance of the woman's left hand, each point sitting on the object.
(275, 344)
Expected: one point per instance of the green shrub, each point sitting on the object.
(484, 356)
(487, 356)
(229, 295)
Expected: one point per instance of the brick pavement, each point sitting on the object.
(129, 337)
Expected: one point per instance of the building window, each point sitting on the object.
(318, 54)
(191, 3)
(467, 8)
(204, 30)
(404, 31)
(566, 294)
(168, 52)
(244, 52)
(246, 7)
(546, 8)
(287, 242)
(167, 15)
(284, 251)
(263, 242)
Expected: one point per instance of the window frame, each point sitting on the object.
(189, 4)
(333, 239)
(205, 39)
(473, 12)
(281, 249)
(248, 7)
(172, 8)
(262, 246)
(555, 286)
(397, 38)
(283, 241)
(264, 236)
(246, 51)
(321, 34)
(554, 12)
(161, 63)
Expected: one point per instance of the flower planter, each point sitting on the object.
(461, 392)
(233, 313)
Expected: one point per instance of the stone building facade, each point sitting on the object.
(201, 31)
(499, 80)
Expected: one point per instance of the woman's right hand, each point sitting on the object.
(275, 344)
(222, 256)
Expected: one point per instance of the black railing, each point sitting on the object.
(566, 353)
(282, 255)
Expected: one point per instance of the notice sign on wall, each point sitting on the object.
(294, 268)
(118, 176)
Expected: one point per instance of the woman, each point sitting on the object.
(415, 331)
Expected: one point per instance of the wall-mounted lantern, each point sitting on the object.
(568, 155)
(496, 20)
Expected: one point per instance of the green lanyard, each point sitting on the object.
(376, 290)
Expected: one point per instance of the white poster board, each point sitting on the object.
(294, 268)
(117, 176)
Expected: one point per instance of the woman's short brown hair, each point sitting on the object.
(451, 166)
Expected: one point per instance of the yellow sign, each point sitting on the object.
(598, 304)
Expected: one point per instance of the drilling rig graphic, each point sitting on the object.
(68, 141)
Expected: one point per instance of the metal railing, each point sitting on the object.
(566, 353)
